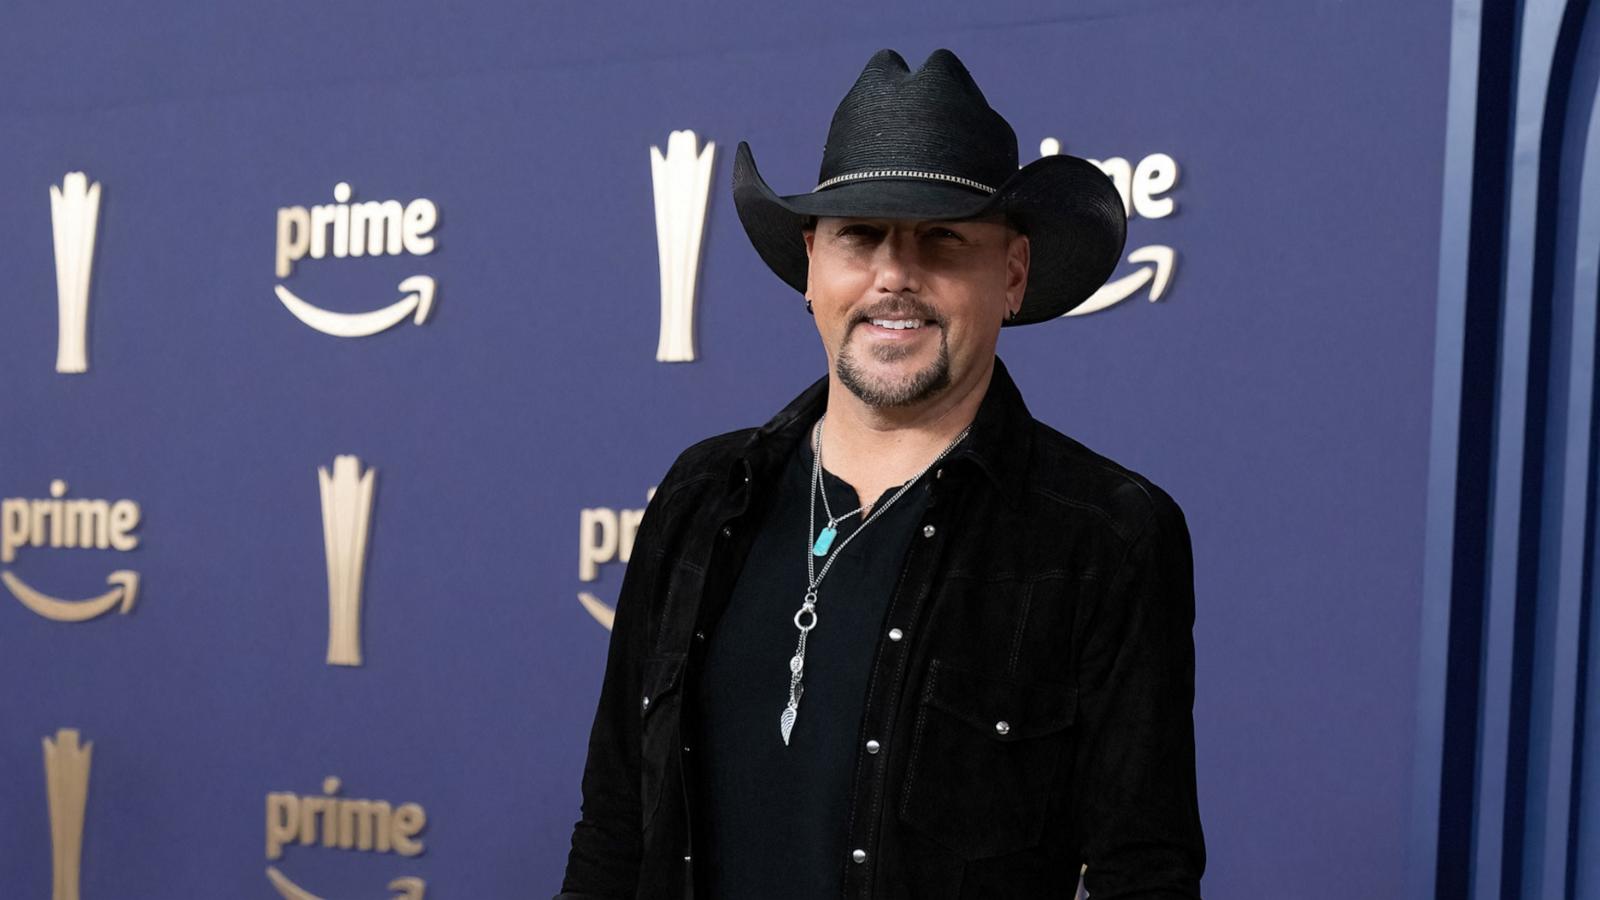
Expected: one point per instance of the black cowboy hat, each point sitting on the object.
(927, 145)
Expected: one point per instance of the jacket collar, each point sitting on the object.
(999, 445)
(1002, 435)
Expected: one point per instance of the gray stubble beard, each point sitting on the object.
(919, 387)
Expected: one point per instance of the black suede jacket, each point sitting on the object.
(1031, 694)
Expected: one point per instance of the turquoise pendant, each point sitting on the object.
(824, 541)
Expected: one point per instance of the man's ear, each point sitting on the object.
(810, 235)
(1018, 254)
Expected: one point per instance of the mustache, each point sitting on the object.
(900, 306)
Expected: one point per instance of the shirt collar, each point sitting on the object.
(999, 444)
(1002, 435)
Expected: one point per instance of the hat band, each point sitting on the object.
(903, 173)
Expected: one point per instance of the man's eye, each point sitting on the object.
(944, 234)
(857, 231)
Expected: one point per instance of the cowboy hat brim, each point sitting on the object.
(1069, 209)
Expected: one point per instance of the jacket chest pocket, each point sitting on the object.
(659, 708)
(983, 759)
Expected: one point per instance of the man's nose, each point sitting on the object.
(897, 265)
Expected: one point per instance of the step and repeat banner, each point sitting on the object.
(343, 346)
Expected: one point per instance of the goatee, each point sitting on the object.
(885, 393)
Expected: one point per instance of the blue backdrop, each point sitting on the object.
(1279, 389)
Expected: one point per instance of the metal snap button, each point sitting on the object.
(896, 634)
(699, 635)
(872, 746)
(647, 703)
(927, 531)
(859, 856)
(1002, 727)
(727, 531)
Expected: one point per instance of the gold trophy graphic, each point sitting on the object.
(74, 211)
(346, 517)
(66, 775)
(682, 182)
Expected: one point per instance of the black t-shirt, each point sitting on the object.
(776, 814)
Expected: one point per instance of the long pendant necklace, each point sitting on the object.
(831, 530)
(805, 618)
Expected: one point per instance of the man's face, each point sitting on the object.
(908, 308)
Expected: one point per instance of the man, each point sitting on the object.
(904, 640)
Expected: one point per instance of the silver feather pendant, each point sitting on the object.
(786, 722)
(792, 711)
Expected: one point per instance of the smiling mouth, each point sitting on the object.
(900, 324)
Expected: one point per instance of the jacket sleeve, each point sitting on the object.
(1137, 813)
(607, 840)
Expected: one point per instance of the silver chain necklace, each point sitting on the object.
(830, 530)
(821, 547)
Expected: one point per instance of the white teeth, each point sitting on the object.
(897, 323)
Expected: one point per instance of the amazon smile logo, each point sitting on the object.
(1143, 187)
(335, 822)
(344, 229)
(58, 521)
(605, 536)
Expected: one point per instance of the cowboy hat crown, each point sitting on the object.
(892, 119)
(927, 145)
